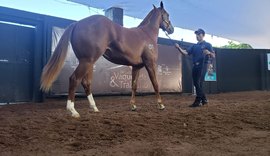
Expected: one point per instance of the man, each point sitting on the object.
(201, 53)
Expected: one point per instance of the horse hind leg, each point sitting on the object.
(74, 81)
(86, 83)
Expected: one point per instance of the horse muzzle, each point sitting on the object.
(170, 29)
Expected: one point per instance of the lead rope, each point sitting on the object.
(169, 37)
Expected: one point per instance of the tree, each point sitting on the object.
(232, 45)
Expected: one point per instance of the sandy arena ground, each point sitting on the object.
(232, 124)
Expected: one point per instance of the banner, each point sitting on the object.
(211, 74)
(110, 78)
(268, 61)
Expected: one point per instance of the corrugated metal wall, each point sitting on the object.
(16, 62)
(242, 70)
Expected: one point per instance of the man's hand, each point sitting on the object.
(182, 51)
(177, 46)
(207, 52)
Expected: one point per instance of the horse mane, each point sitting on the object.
(146, 19)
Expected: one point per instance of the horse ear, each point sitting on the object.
(161, 5)
(154, 6)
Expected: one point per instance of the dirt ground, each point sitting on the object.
(232, 124)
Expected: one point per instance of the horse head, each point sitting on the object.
(165, 23)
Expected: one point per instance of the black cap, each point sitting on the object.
(199, 31)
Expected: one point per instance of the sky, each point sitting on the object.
(74, 11)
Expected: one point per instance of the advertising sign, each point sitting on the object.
(268, 61)
(211, 73)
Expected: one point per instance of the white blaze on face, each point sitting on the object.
(70, 107)
(92, 103)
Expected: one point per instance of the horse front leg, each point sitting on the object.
(135, 76)
(151, 69)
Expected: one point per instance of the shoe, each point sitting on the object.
(196, 103)
(204, 101)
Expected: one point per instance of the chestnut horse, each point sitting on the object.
(97, 36)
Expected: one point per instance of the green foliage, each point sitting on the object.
(232, 45)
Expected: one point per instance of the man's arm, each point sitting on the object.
(182, 51)
(209, 50)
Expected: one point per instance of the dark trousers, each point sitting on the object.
(198, 74)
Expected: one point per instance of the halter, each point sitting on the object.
(166, 27)
(164, 20)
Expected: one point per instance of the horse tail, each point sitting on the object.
(55, 64)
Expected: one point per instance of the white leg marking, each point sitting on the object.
(133, 107)
(72, 110)
(161, 106)
(92, 103)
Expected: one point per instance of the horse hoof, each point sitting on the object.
(76, 116)
(133, 108)
(161, 107)
(95, 109)
(73, 114)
